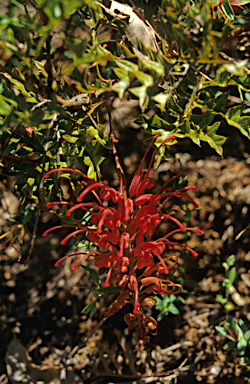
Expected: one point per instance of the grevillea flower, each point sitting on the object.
(123, 230)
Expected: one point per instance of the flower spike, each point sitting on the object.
(122, 227)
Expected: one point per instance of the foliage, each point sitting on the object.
(165, 305)
(61, 61)
(239, 336)
(230, 276)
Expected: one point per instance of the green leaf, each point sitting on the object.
(102, 290)
(234, 118)
(141, 92)
(92, 131)
(173, 309)
(90, 307)
(230, 260)
(241, 346)
(221, 330)
(122, 85)
(154, 124)
(126, 65)
(202, 120)
(227, 9)
(232, 275)
(247, 335)
(215, 141)
(226, 283)
(221, 299)
(93, 274)
(225, 266)
(162, 98)
(40, 66)
(230, 345)
(17, 84)
(215, 104)
(5, 108)
(146, 80)
(229, 307)
(154, 66)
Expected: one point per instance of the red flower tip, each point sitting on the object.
(198, 230)
(135, 311)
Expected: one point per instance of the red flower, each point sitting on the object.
(123, 231)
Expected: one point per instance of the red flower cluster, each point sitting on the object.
(123, 232)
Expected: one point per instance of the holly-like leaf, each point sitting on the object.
(124, 82)
(234, 118)
(215, 141)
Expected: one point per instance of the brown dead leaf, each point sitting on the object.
(137, 28)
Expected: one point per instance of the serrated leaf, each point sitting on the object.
(126, 65)
(234, 118)
(155, 122)
(202, 120)
(146, 80)
(215, 104)
(124, 82)
(215, 141)
(141, 93)
(185, 130)
(92, 131)
(162, 98)
(154, 66)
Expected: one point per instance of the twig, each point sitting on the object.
(76, 101)
(90, 117)
(40, 104)
(119, 169)
(234, 62)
